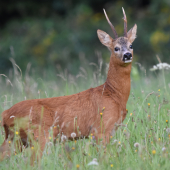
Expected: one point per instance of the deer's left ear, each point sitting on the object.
(131, 35)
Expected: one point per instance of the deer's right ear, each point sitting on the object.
(131, 35)
(105, 38)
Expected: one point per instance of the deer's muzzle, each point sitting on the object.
(127, 57)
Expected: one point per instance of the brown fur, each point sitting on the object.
(84, 107)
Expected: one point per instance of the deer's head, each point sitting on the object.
(120, 47)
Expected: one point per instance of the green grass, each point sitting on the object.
(147, 122)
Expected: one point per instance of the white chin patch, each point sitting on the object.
(128, 61)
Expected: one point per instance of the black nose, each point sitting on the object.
(127, 56)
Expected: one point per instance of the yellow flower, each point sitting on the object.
(149, 104)
(73, 148)
(103, 108)
(119, 142)
(151, 142)
(32, 147)
(158, 95)
(159, 139)
(91, 134)
(9, 141)
(111, 165)
(77, 166)
(101, 114)
(131, 114)
(54, 127)
(153, 152)
(127, 110)
(75, 141)
(159, 90)
(16, 133)
(136, 150)
(50, 137)
(91, 137)
(110, 136)
(89, 154)
(166, 121)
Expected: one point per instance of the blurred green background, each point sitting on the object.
(55, 34)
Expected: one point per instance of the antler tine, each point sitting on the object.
(112, 27)
(125, 23)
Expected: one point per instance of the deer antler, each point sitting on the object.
(112, 27)
(125, 23)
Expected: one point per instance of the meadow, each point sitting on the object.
(142, 142)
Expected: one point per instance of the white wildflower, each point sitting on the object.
(163, 149)
(115, 141)
(11, 117)
(63, 138)
(136, 145)
(73, 135)
(93, 162)
(168, 130)
(160, 66)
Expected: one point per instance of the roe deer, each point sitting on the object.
(106, 103)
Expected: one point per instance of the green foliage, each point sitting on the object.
(58, 33)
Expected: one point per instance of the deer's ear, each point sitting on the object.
(131, 35)
(105, 38)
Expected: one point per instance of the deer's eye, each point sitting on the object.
(130, 47)
(117, 48)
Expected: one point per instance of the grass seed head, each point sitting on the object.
(73, 135)
(136, 145)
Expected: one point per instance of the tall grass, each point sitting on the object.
(142, 142)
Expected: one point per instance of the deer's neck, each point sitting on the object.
(118, 81)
